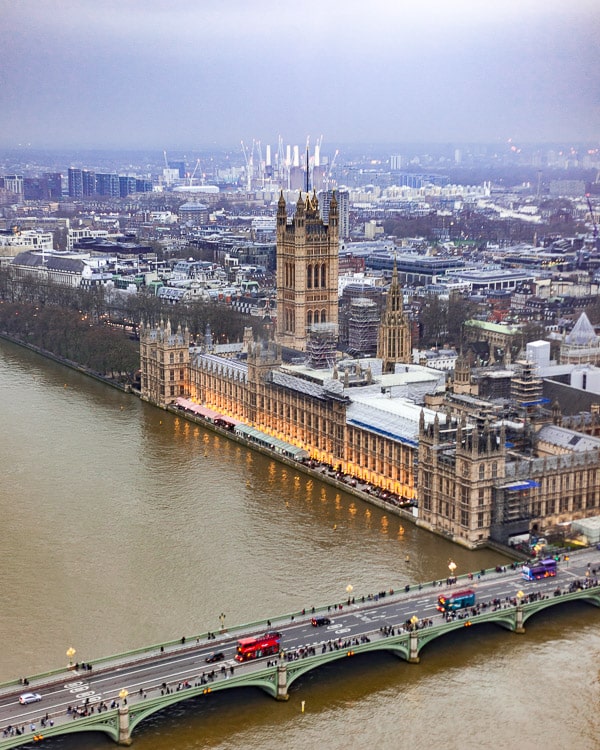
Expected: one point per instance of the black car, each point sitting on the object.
(215, 656)
(316, 621)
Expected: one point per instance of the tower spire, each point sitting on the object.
(394, 343)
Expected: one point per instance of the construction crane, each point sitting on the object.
(261, 170)
(248, 160)
(282, 165)
(194, 172)
(592, 217)
(330, 170)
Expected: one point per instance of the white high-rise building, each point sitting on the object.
(395, 162)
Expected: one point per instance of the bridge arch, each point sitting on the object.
(591, 596)
(300, 667)
(265, 680)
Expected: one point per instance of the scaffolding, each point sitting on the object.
(526, 386)
(322, 345)
(363, 327)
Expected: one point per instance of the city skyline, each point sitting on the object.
(163, 74)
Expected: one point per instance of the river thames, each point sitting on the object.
(123, 526)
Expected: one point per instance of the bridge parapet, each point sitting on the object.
(406, 642)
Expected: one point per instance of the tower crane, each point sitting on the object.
(248, 160)
(592, 217)
(282, 164)
(194, 172)
(261, 169)
(330, 170)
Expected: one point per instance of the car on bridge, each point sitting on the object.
(317, 621)
(215, 656)
(26, 698)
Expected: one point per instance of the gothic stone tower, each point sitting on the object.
(459, 467)
(307, 270)
(394, 343)
(164, 357)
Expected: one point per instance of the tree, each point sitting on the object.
(459, 309)
(433, 318)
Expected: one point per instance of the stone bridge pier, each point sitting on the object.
(124, 731)
(413, 648)
(282, 693)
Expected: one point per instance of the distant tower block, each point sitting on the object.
(307, 270)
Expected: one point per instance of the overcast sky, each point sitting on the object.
(191, 73)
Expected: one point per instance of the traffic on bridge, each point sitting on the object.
(115, 694)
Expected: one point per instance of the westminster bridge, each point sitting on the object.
(115, 694)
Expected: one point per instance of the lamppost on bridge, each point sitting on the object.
(123, 693)
(414, 621)
(70, 654)
(222, 620)
(349, 590)
(452, 569)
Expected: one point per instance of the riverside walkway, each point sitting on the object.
(115, 694)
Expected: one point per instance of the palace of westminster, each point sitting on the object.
(475, 470)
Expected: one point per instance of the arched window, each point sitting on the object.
(309, 272)
(309, 318)
(323, 316)
(316, 270)
(323, 275)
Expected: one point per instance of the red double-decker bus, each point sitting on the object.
(255, 648)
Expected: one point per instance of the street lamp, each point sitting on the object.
(70, 654)
(520, 595)
(123, 693)
(222, 619)
(413, 621)
(452, 568)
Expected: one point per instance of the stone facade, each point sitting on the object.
(394, 345)
(164, 363)
(307, 270)
(472, 487)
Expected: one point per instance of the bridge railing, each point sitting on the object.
(192, 642)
